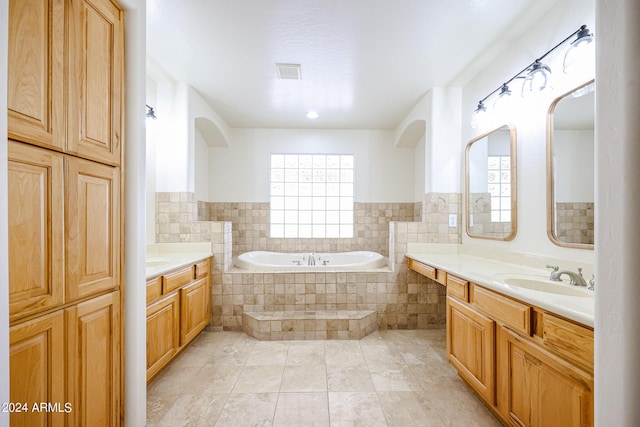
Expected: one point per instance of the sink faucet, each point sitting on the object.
(575, 279)
(312, 259)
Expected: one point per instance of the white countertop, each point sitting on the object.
(487, 272)
(164, 257)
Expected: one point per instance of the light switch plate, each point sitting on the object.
(453, 220)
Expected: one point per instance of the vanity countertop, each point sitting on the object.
(487, 272)
(162, 258)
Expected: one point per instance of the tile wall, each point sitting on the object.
(575, 222)
(402, 298)
(482, 224)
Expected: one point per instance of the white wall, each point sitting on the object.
(240, 172)
(530, 121)
(617, 328)
(574, 165)
(201, 164)
(4, 248)
(419, 170)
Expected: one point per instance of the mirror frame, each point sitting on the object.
(514, 204)
(551, 209)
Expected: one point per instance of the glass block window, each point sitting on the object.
(311, 196)
(499, 180)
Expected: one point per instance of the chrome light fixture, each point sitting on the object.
(538, 79)
(580, 50)
(150, 113)
(480, 116)
(537, 75)
(502, 103)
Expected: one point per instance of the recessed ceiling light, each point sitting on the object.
(312, 115)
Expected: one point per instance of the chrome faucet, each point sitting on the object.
(575, 279)
(312, 259)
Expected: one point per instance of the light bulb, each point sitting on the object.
(503, 103)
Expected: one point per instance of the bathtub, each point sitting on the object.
(299, 261)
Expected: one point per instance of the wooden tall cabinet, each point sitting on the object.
(65, 102)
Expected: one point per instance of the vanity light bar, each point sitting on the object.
(584, 36)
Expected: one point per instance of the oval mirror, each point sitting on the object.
(570, 168)
(490, 187)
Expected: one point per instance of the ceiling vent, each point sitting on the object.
(289, 71)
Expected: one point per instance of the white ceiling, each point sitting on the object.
(365, 63)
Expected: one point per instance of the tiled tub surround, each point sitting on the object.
(575, 222)
(401, 298)
(251, 227)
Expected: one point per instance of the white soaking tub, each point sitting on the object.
(309, 261)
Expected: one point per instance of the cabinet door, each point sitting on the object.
(95, 98)
(35, 72)
(37, 370)
(539, 389)
(92, 223)
(35, 182)
(194, 309)
(93, 361)
(471, 347)
(163, 332)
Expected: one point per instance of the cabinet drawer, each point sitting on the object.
(154, 289)
(510, 312)
(568, 339)
(457, 287)
(177, 279)
(203, 268)
(424, 269)
(441, 277)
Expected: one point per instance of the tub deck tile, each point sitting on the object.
(318, 324)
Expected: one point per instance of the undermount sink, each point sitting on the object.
(539, 284)
(156, 262)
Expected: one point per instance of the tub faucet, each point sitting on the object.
(312, 259)
(575, 279)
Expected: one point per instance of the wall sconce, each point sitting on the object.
(537, 75)
(150, 113)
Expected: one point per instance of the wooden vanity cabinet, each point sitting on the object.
(531, 367)
(178, 309)
(65, 109)
(35, 84)
(471, 347)
(163, 333)
(540, 389)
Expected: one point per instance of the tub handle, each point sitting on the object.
(296, 262)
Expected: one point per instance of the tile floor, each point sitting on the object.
(389, 378)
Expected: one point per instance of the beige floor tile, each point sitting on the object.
(259, 379)
(381, 355)
(397, 377)
(355, 409)
(304, 378)
(174, 380)
(250, 409)
(344, 353)
(193, 356)
(268, 353)
(232, 353)
(214, 379)
(393, 377)
(302, 409)
(157, 407)
(403, 409)
(349, 378)
(303, 353)
(194, 411)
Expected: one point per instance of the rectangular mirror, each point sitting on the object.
(490, 187)
(570, 168)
